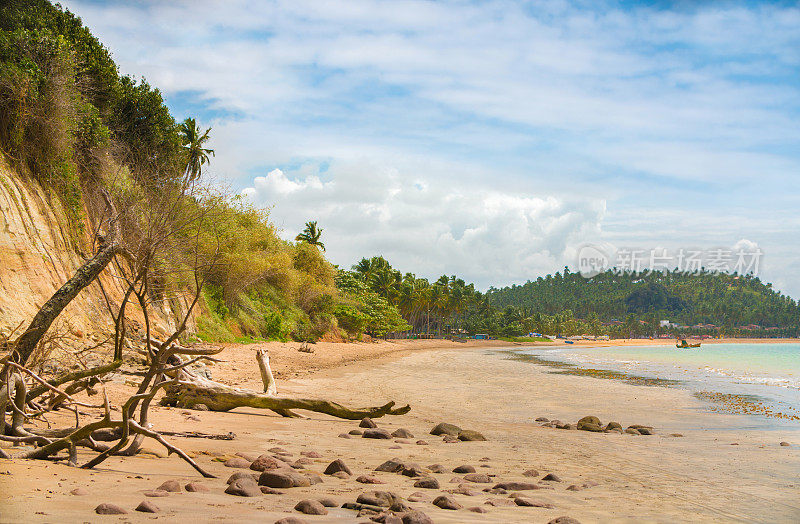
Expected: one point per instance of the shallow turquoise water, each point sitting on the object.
(769, 371)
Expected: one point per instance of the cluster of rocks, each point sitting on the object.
(146, 506)
(592, 423)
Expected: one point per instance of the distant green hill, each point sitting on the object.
(734, 303)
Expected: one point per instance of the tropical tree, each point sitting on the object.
(193, 141)
(311, 235)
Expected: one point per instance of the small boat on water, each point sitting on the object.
(682, 344)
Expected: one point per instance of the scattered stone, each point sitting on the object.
(328, 502)
(247, 456)
(443, 428)
(355, 432)
(469, 435)
(484, 459)
(270, 491)
(336, 466)
(400, 507)
(416, 517)
(80, 492)
(243, 488)
(464, 469)
(402, 441)
(402, 433)
(278, 450)
(464, 490)
(449, 439)
(302, 462)
(676, 434)
(542, 419)
(237, 462)
(367, 422)
(146, 506)
(480, 478)
(241, 475)
(632, 431)
(291, 520)
(564, 520)
(411, 469)
(172, 486)
(395, 447)
(530, 473)
(422, 443)
(311, 507)
(378, 498)
(588, 426)
(311, 454)
(313, 478)
(196, 487)
(394, 465)
(369, 479)
(613, 425)
(496, 491)
(283, 478)
(516, 486)
(437, 468)
(418, 496)
(156, 493)
(456, 480)
(551, 477)
(427, 483)
(784, 443)
(498, 502)
(340, 475)
(377, 433)
(531, 503)
(344, 435)
(574, 487)
(477, 509)
(264, 463)
(589, 420)
(645, 431)
(446, 502)
(109, 509)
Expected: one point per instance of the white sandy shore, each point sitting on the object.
(698, 477)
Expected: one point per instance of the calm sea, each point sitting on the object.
(768, 373)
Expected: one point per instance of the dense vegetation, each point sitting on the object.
(635, 302)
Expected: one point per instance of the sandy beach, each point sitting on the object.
(718, 470)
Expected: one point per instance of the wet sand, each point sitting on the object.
(701, 476)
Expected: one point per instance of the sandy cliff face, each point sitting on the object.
(39, 250)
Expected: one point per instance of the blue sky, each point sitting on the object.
(490, 139)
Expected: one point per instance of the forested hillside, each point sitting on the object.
(736, 303)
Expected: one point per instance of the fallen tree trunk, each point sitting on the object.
(76, 375)
(219, 397)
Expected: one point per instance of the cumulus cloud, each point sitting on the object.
(429, 227)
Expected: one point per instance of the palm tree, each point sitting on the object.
(311, 235)
(193, 141)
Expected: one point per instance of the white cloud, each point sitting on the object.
(477, 232)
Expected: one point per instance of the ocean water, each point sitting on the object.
(766, 374)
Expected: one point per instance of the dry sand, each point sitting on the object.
(701, 476)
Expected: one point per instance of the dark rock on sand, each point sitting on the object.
(443, 428)
(613, 425)
(588, 426)
(311, 507)
(481, 478)
(446, 502)
(542, 419)
(469, 435)
(367, 422)
(500, 502)
(291, 520)
(449, 439)
(551, 477)
(416, 517)
(243, 488)
(196, 487)
(79, 492)
(343, 435)
(531, 503)
(156, 493)
(311, 454)
(393, 465)
(464, 469)
(355, 432)
(146, 506)
(283, 478)
(645, 431)
(377, 433)
(265, 462)
(589, 420)
(313, 478)
(270, 491)
(237, 462)
(173, 486)
(422, 443)
(530, 473)
(402, 433)
(464, 490)
(564, 520)
(241, 475)
(109, 509)
(477, 509)
(378, 498)
(369, 479)
(340, 475)
(437, 468)
(418, 496)
(496, 491)
(337, 465)
(427, 483)
(328, 502)
(784, 443)
(410, 469)
(632, 431)
(516, 486)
